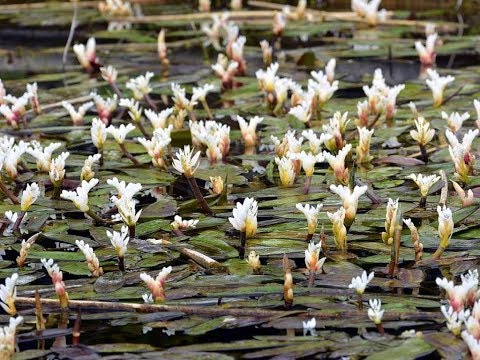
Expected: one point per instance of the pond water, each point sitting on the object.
(216, 304)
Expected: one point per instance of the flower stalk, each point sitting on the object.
(198, 195)
(128, 155)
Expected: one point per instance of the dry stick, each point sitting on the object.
(70, 35)
(8, 193)
(63, 5)
(201, 259)
(40, 322)
(374, 198)
(233, 15)
(219, 311)
(452, 95)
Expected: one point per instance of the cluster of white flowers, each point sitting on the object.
(14, 108)
(105, 106)
(157, 144)
(382, 99)
(461, 154)
(212, 135)
(463, 309)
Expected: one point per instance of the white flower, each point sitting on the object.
(308, 161)
(7, 338)
(180, 224)
(109, 74)
(330, 69)
(245, 217)
(375, 312)
(186, 162)
(350, 199)
(267, 78)
(121, 132)
(473, 344)
(369, 10)
(445, 225)
(159, 120)
(125, 190)
(8, 294)
(86, 55)
(360, 283)
(29, 196)
(200, 93)
(80, 195)
(454, 319)
(427, 53)
(311, 213)
(57, 168)
(140, 85)
(437, 84)
(286, 170)
(98, 132)
(312, 258)
(455, 120)
(466, 198)
(156, 285)
(363, 147)
(303, 111)
(458, 295)
(337, 163)
(77, 115)
(92, 260)
(423, 135)
(180, 100)
(254, 261)
(323, 89)
(339, 230)
(134, 109)
(119, 240)
(460, 153)
(87, 171)
(390, 221)
(315, 142)
(43, 155)
(12, 157)
(126, 209)
(309, 327)
(156, 146)
(249, 130)
(424, 182)
(105, 107)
